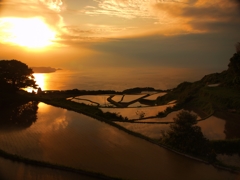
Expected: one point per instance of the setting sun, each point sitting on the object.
(26, 32)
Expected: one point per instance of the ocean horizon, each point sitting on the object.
(118, 79)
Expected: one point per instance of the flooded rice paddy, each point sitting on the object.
(102, 100)
(138, 104)
(96, 100)
(10, 170)
(72, 139)
(128, 98)
(135, 113)
(155, 96)
(213, 128)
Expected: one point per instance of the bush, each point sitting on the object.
(185, 136)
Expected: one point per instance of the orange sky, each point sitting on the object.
(72, 34)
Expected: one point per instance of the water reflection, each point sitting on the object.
(18, 116)
(232, 126)
(14, 170)
(216, 128)
(213, 128)
(150, 130)
(85, 143)
(118, 79)
(134, 113)
(51, 119)
(41, 80)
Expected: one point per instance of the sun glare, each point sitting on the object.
(40, 80)
(27, 32)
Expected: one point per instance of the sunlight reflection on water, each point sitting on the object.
(116, 78)
(41, 80)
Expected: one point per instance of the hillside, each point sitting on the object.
(214, 92)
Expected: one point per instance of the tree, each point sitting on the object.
(238, 47)
(15, 75)
(184, 135)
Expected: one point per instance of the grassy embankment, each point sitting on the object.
(206, 100)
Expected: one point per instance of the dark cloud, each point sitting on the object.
(200, 17)
(1, 5)
(238, 3)
(192, 50)
(230, 27)
(209, 12)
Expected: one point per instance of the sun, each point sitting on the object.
(26, 32)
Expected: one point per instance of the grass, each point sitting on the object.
(206, 99)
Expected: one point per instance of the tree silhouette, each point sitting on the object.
(15, 75)
(184, 135)
(238, 47)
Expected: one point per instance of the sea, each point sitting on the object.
(118, 79)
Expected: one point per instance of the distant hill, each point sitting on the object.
(229, 77)
(137, 90)
(214, 92)
(44, 69)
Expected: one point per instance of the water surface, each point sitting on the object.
(72, 139)
(10, 170)
(135, 112)
(213, 128)
(117, 78)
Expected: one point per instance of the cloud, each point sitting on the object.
(93, 29)
(121, 8)
(182, 15)
(88, 33)
(31, 8)
(207, 50)
(55, 5)
(1, 2)
(121, 18)
(200, 14)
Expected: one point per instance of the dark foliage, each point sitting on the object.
(137, 90)
(185, 136)
(15, 75)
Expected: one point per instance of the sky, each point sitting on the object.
(74, 34)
